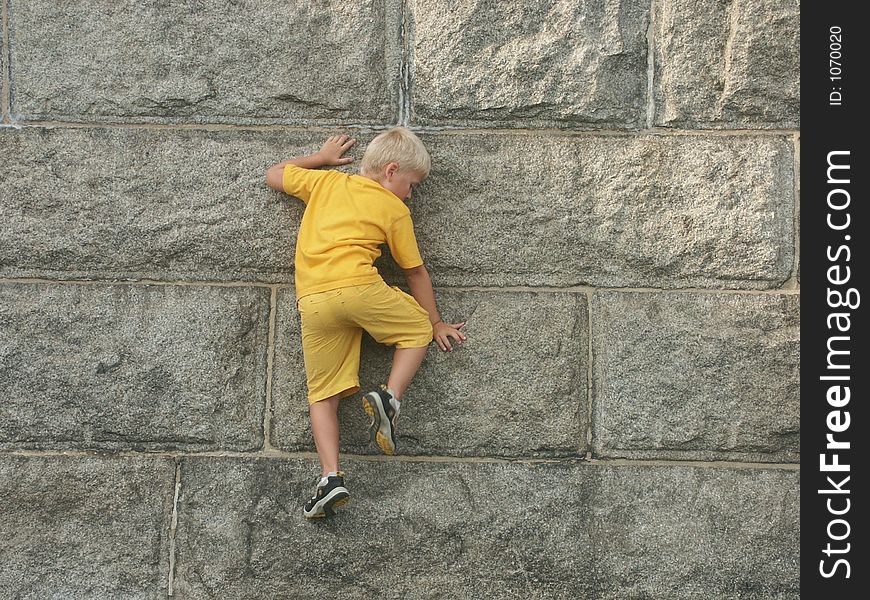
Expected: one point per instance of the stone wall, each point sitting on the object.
(612, 207)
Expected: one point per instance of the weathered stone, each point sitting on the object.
(516, 387)
(727, 64)
(153, 204)
(527, 64)
(182, 367)
(697, 533)
(211, 61)
(697, 376)
(290, 427)
(658, 211)
(498, 210)
(132, 366)
(489, 530)
(85, 526)
(4, 89)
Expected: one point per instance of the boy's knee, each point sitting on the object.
(317, 398)
(329, 400)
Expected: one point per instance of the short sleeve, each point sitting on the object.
(301, 182)
(403, 243)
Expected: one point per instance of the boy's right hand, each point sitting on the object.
(442, 332)
(333, 148)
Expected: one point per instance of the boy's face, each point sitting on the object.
(401, 183)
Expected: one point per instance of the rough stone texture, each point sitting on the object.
(117, 183)
(153, 204)
(85, 527)
(669, 211)
(290, 426)
(516, 387)
(797, 208)
(658, 211)
(733, 64)
(209, 61)
(4, 89)
(696, 376)
(524, 64)
(478, 530)
(143, 367)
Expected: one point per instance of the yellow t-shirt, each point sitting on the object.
(346, 219)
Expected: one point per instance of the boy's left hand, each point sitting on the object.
(442, 332)
(333, 148)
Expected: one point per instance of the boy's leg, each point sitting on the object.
(394, 318)
(330, 346)
(330, 492)
(406, 362)
(383, 406)
(324, 426)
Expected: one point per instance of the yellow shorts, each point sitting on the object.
(332, 326)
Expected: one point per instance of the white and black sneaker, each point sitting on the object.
(329, 495)
(383, 408)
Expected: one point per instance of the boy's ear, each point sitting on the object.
(391, 169)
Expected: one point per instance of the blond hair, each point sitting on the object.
(398, 145)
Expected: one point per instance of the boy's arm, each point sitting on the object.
(330, 154)
(421, 288)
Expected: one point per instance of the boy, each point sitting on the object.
(339, 292)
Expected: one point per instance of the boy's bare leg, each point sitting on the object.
(406, 361)
(324, 426)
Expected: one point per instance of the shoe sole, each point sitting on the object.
(326, 507)
(380, 424)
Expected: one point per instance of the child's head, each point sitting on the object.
(396, 151)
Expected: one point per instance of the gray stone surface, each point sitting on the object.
(209, 61)
(696, 376)
(529, 64)
(158, 121)
(669, 211)
(290, 427)
(153, 204)
(85, 527)
(658, 211)
(132, 366)
(727, 64)
(4, 88)
(516, 387)
(489, 530)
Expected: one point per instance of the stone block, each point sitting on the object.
(659, 211)
(290, 426)
(529, 64)
(516, 387)
(132, 366)
(696, 376)
(696, 533)
(148, 204)
(210, 61)
(85, 526)
(641, 211)
(729, 65)
(489, 530)
(4, 87)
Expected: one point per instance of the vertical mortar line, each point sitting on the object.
(173, 527)
(405, 65)
(797, 209)
(589, 378)
(7, 66)
(270, 360)
(650, 69)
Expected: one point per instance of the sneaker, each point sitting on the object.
(328, 496)
(383, 408)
